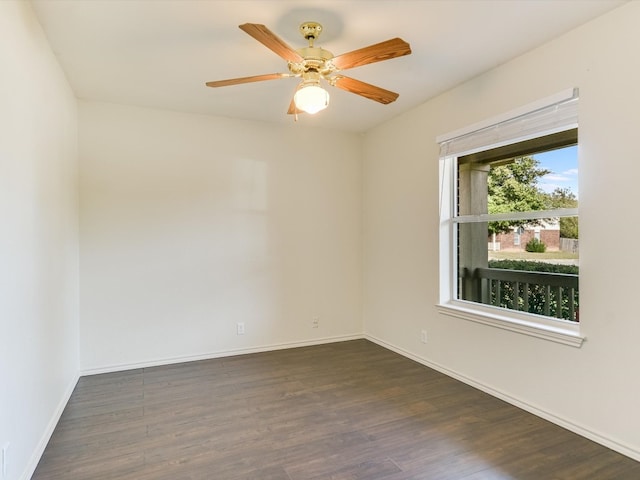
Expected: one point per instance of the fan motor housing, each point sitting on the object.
(315, 58)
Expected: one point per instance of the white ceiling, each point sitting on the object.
(160, 53)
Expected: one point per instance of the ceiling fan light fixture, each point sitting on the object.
(311, 98)
(313, 64)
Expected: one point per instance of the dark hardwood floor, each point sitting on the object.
(350, 410)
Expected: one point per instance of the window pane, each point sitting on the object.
(530, 265)
(543, 283)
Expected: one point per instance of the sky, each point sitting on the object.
(563, 164)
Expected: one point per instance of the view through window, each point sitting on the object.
(517, 227)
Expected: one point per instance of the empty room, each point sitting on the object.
(298, 240)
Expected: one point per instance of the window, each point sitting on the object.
(516, 237)
(502, 222)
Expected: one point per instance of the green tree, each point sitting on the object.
(513, 187)
(565, 198)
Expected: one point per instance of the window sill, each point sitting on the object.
(566, 333)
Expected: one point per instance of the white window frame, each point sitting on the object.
(551, 115)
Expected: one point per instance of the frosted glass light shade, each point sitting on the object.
(311, 98)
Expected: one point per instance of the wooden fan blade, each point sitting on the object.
(396, 47)
(255, 78)
(364, 89)
(293, 110)
(271, 41)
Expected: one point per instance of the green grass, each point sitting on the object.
(533, 256)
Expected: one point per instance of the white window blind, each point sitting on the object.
(554, 114)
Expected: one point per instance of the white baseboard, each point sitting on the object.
(51, 426)
(218, 354)
(573, 427)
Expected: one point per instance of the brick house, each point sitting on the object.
(517, 239)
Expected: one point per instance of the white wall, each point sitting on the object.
(593, 389)
(38, 239)
(190, 224)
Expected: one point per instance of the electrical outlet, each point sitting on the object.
(5, 460)
(240, 328)
(423, 336)
(316, 322)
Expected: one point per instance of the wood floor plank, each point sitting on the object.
(349, 410)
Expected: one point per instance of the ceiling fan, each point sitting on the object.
(313, 64)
